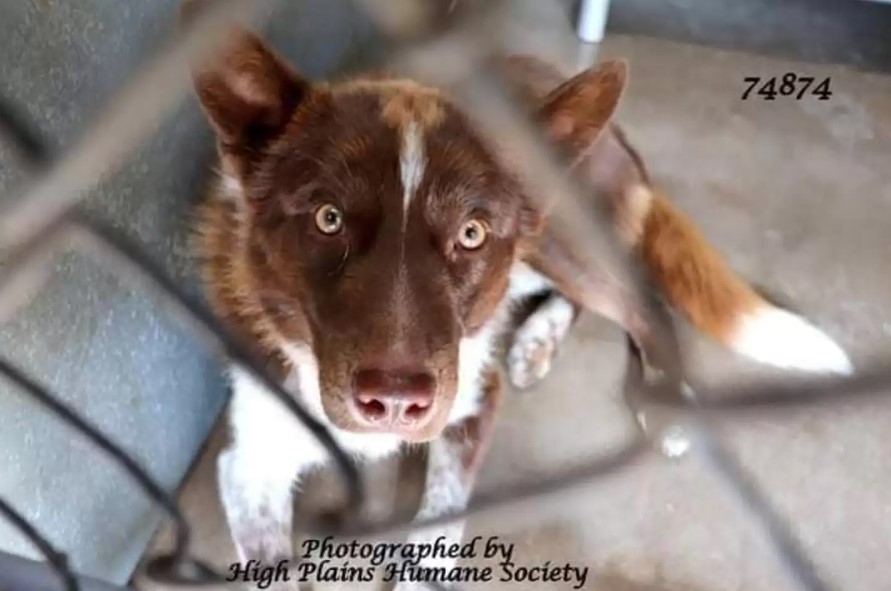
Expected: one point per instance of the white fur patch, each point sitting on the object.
(412, 162)
(230, 188)
(475, 353)
(526, 281)
(445, 493)
(262, 423)
(776, 337)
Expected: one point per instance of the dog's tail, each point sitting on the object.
(699, 283)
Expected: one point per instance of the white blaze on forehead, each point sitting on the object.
(412, 162)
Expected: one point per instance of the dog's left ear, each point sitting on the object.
(577, 111)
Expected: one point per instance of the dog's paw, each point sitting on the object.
(529, 359)
(535, 342)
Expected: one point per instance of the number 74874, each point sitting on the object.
(789, 85)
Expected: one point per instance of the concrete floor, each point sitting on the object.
(797, 195)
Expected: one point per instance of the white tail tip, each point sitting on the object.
(777, 337)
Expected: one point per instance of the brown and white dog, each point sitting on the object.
(370, 242)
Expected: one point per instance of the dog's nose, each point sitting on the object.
(393, 399)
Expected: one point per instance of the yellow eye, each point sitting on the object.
(473, 234)
(329, 219)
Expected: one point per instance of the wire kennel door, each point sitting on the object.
(43, 220)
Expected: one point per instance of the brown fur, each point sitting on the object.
(338, 244)
(291, 146)
(402, 101)
(384, 296)
(692, 275)
(580, 109)
(231, 286)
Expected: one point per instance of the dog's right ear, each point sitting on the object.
(248, 92)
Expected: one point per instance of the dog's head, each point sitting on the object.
(381, 226)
